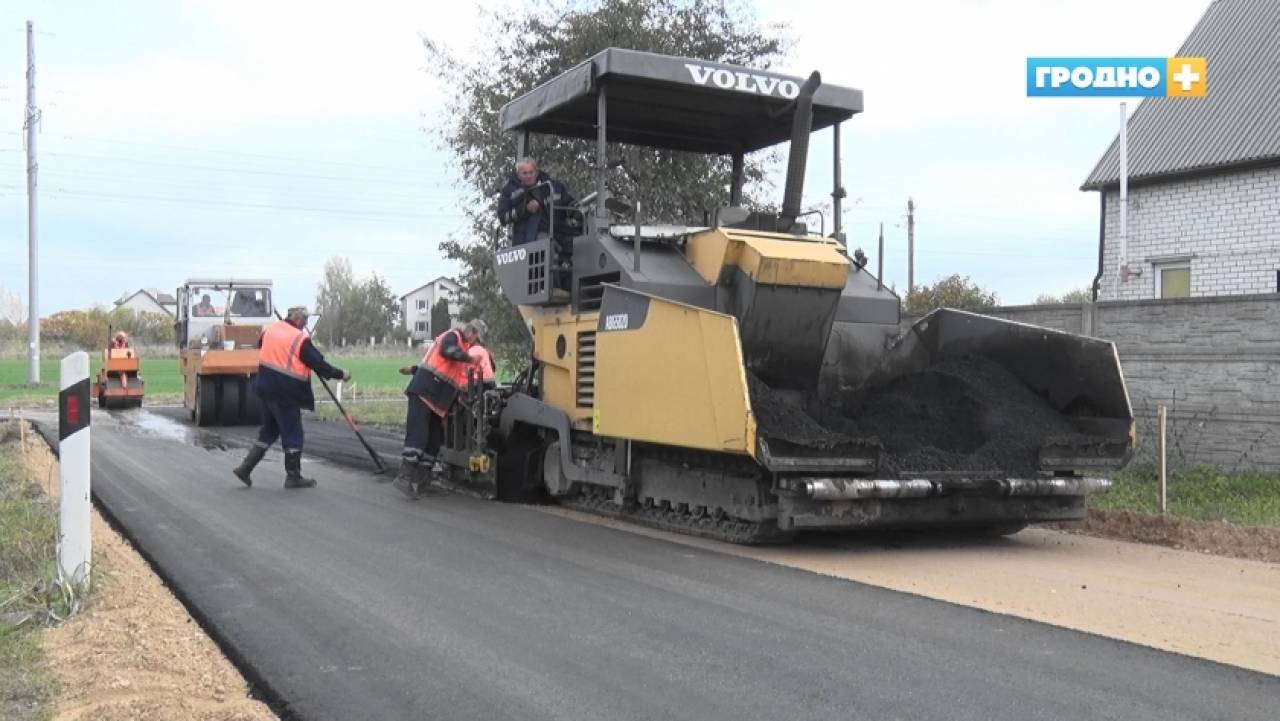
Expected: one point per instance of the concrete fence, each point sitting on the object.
(1214, 362)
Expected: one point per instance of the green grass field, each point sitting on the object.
(385, 413)
(162, 377)
(372, 376)
(28, 543)
(13, 381)
(1205, 494)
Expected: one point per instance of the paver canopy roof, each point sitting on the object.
(676, 103)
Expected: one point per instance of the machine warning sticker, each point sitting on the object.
(617, 321)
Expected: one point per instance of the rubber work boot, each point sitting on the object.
(426, 472)
(293, 471)
(242, 471)
(407, 479)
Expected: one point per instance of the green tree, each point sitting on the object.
(1079, 295)
(371, 311)
(954, 291)
(92, 329)
(440, 320)
(354, 310)
(148, 328)
(65, 325)
(331, 298)
(528, 46)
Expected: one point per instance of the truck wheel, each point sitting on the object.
(231, 401)
(251, 409)
(206, 410)
(519, 467)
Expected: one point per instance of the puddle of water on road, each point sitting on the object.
(168, 428)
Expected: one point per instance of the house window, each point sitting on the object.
(420, 327)
(422, 304)
(1173, 280)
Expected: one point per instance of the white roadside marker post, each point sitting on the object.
(74, 545)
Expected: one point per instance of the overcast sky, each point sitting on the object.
(258, 139)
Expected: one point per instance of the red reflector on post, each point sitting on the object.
(73, 406)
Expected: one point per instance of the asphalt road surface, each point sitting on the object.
(347, 601)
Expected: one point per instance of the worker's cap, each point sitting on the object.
(479, 326)
(298, 311)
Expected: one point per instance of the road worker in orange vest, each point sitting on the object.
(286, 359)
(485, 368)
(436, 384)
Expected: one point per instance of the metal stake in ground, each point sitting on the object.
(1164, 495)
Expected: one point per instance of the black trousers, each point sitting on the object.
(283, 421)
(423, 432)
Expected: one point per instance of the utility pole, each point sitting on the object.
(33, 308)
(911, 246)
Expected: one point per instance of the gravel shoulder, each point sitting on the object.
(134, 652)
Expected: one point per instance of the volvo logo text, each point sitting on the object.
(507, 257)
(743, 82)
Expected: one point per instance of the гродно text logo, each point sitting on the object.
(1117, 77)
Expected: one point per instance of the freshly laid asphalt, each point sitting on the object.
(347, 601)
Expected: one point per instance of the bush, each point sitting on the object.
(954, 291)
(91, 329)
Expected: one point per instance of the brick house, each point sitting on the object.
(1204, 173)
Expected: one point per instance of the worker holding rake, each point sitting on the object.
(285, 362)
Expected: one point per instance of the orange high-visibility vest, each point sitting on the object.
(484, 363)
(282, 350)
(455, 372)
(451, 374)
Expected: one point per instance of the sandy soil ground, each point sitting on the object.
(1222, 609)
(1257, 543)
(135, 653)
